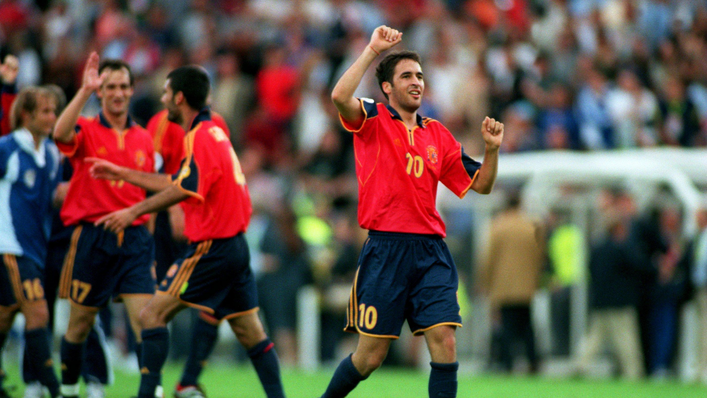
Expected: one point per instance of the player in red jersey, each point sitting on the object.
(170, 244)
(214, 275)
(405, 269)
(101, 265)
(8, 90)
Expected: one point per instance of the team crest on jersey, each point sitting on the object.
(432, 154)
(140, 158)
(30, 178)
(102, 151)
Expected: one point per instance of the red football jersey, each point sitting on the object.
(8, 93)
(399, 170)
(168, 139)
(219, 206)
(89, 199)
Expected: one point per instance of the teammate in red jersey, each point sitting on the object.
(170, 245)
(214, 275)
(100, 264)
(8, 90)
(405, 269)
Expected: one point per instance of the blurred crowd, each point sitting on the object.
(561, 74)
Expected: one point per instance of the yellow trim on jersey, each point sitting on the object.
(365, 118)
(420, 331)
(159, 133)
(464, 192)
(183, 171)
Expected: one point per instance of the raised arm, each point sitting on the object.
(105, 170)
(382, 39)
(64, 128)
(492, 132)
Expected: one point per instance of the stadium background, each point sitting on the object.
(606, 79)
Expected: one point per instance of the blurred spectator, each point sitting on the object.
(667, 294)
(615, 269)
(698, 259)
(634, 112)
(595, 127)
(511, 275)
(567, 256)
(680, 119)
(285, 269)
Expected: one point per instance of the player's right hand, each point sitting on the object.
(102, 169)
(91, 80)
(384, 38)
(9, 69)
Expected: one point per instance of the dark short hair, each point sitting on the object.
(116, 64)
(27, 100)
(193, 82)
(386, 68)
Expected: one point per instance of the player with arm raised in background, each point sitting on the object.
(101, 265)
(214, 275)
(405, 269)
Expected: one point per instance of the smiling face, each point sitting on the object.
(116, 91)
(408, 86)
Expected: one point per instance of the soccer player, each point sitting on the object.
(29, 175)
(170, 244)
(214, 274)
(96, 370)
(405, 269)
(100, 264)
(9, 69)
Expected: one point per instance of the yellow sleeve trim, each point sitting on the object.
(365, 117)
(464, 192)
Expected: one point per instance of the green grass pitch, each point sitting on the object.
(223, 381)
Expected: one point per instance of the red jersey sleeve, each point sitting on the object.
(370, 110)
(8, 93)
(74, 149)
(458, 169)
(199, 169)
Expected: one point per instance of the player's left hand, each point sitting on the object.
(492, 132)
(117, 221)
(104, 170)
(9, 69)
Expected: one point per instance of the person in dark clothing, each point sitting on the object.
(616, 269)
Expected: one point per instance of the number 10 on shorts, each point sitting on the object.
(367, 316)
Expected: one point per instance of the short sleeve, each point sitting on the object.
(74, 148)
(459, 171)
(199, 168)
(370, 110)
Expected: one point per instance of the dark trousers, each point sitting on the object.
(516, 325)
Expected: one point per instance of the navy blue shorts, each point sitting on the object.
(21, 281)
(403, 277)
(101, 265)
(215, 277)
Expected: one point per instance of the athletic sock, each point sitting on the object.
(95, 367)
(37, 341)
(443, 380)
(345, 379)
(138, 353)
(203, 341)
(155, 345)
(71, 363)
(266, 364)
